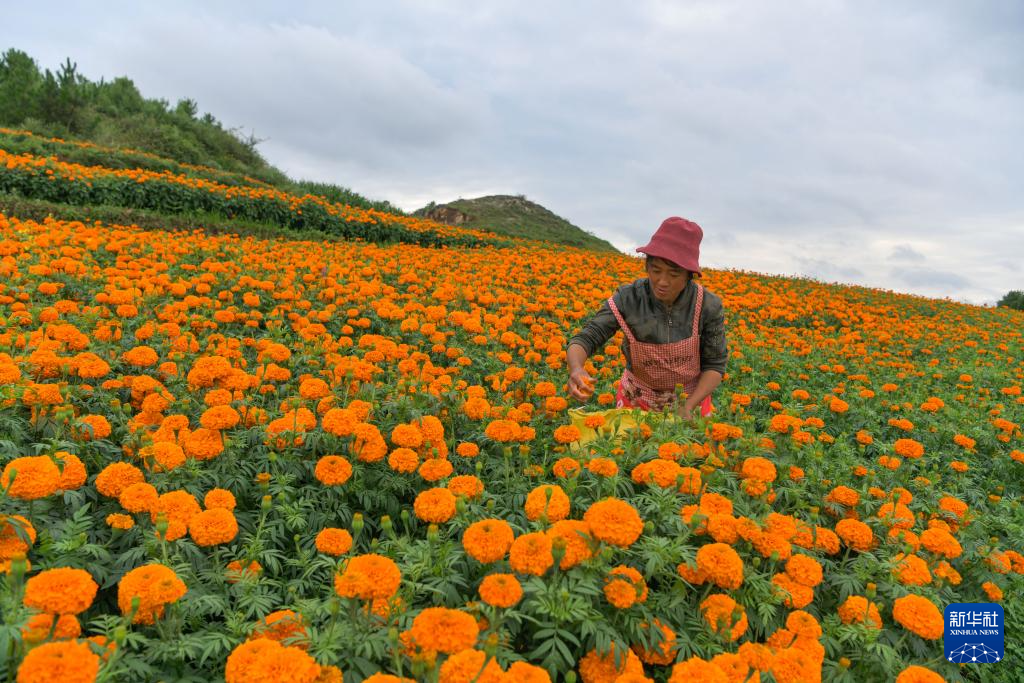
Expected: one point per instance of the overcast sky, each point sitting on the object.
(874, 142)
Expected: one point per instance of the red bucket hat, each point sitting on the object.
(677, 240)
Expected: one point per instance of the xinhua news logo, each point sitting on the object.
(974, 632)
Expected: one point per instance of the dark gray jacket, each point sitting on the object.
(651, 321)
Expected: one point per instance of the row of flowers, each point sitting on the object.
(50, 179)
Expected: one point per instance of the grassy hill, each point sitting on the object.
(515, 216)
(126, 129)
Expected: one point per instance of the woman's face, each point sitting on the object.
(667, 279)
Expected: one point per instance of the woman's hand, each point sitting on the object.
(581, 384)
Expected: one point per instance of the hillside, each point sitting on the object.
(515, 216)
(114, 115)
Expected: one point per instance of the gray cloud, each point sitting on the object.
(929, 277)
(851, 134)
(905, 252)
(823, 269)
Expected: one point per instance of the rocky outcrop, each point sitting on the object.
(448, 215)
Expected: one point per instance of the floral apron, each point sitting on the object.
(658, 368)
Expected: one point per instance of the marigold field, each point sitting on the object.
(241, 459)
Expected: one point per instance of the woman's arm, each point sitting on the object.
(595, 333)
(706, 383)
(580, 381)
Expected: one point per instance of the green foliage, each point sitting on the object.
(1013, 299)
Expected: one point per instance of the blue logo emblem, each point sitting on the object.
(974, 632)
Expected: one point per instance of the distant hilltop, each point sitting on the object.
(515, 216)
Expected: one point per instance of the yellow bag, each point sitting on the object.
(618, 423)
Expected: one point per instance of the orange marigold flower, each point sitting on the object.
(219, 498)
(548, 501)
(661, 472)
(567, 434)
(620, 593)
(501, 590)
(220, 417)
(614, 521)
(264, 660)
(804, 625)
(531, 554)
(369, 445)
(314, 388)
(69, 661)
(565, 468)
(859, 610)
(954, 506)
(94, 427)
(488, 540)
(203, 444)
(723, 614)
(61, 591)
(576, 536)
(333, 470)
(994, 592)
(213, 527)
(843, 495)
(759, 468)
(179, 507)
(340, 421)
(919, 674)
(444, 630)
(467, 449)
(597, 668)
(941, 542)
(435, 469)
(73, 474)
(407, 436)
(39, 627)
(908, 448)
(141, 497)
(838, 406)
(804, 570)
(720, 564)
(471, 666)
(965, 442)
(603, 467)
(856, 534)
(466, 485)
(119, 521)
(521, 672)
(374, 576)
(116, 477)
(155, 585)
(697, 669)
(282, 625)
(141, 356)
(664, 652)
(30, 478)
(794, 595)
(502, 431)
(404, 460)
(919, 615)
(168, 456)
(435, 505)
